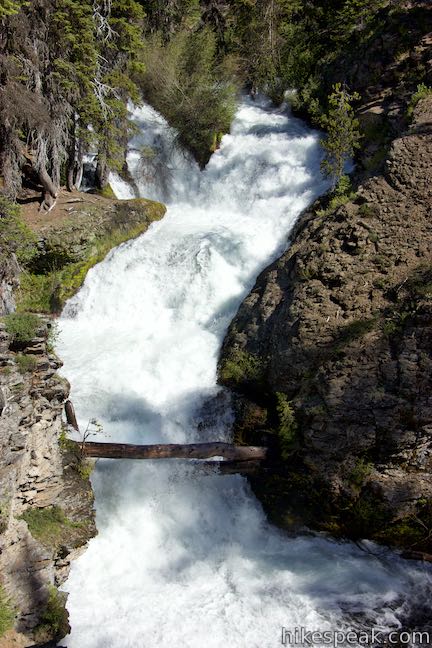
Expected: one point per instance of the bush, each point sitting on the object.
(54, 619)
(287, 428)
(194, 93)
(422, 91)
(15, 236)
(22, 327)
(241, 367)
(25, 363)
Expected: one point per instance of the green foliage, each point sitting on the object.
(340, 195)
(287, 425)
(184, 81)
(422, 92)
(343, 134)
(54, 619)
(85, 468)
(47, 293)
(22, 327)
(241, 367)
(361, 470)
(7, 613)
(25, 363)
(15, 236)
(10, 7)
(48, 525)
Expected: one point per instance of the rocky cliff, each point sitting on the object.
(46, 505)
(46, 500)
(330, 357)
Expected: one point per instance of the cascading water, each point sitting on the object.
(185, 559)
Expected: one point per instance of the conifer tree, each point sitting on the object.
(343, 134)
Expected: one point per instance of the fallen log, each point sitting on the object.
(229, 467)
(172, 451)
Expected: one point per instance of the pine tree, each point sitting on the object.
(343, 134)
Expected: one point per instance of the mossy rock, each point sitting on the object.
(70, 250)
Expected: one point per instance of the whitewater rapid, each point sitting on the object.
(185, 559)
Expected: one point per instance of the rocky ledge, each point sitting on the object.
(46, 505)
(330, 358)
(79, 233)
(46, 499)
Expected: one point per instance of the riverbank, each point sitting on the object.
(46, 506)
(330, 358)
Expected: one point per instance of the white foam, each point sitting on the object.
(183, 559)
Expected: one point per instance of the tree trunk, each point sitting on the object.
(50, 191)
(173, 451)
(102, 173)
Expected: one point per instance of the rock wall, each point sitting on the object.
(337, 335)
(39, 477)
(46, 499)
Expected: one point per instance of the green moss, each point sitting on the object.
(25, 363)
(54, 621)
(241, 367)
(107, 192)
(47, 293)
(49, 525)
(22, 327)
(7, 613)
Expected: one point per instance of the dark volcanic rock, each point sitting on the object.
(341, 325)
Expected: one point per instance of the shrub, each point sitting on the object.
(241, 367)
(22, 327)
(15, 236)
(54, 619)
(25, 363)
(360, 471)
(422, 91)
(287, 428)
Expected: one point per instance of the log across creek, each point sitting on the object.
(236, 459)
(173, 451)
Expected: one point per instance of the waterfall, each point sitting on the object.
(185, 559)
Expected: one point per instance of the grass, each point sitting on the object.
(47, 293)
(49, 525)
(22, 327)
(7, 612)
(25, 363)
